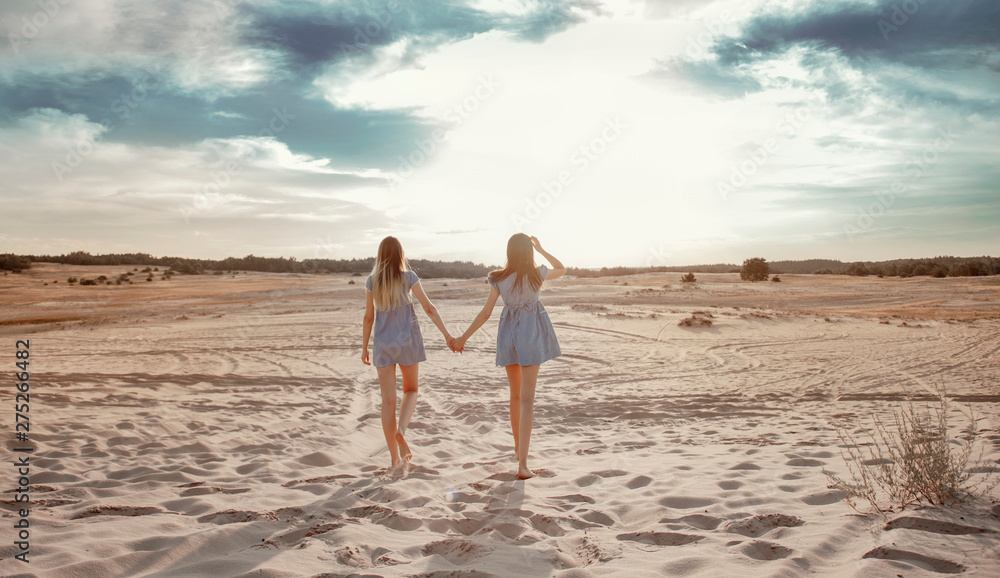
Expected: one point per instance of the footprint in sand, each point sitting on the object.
(570, 501)
(384, 516)
(686, 502)
(761, 550)
(762, 524)
(660, 538)
(935, 526)
(699, 521)
(457, 551)
(118, 511)
(638, 482)
(919, 560)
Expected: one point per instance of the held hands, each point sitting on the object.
(456, 345)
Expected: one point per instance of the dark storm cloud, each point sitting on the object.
(926, 33)
(303, 41)
(315, 34)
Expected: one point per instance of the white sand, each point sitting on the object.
(220, 426)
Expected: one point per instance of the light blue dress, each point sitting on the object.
(525, 335)
(396, 337)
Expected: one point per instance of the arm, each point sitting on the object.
(367, 331)
(483, 316)
(431, 310)
(558, 270)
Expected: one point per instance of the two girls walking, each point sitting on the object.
(525, 337)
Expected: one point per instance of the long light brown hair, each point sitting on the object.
(387, 275)
(520, 262)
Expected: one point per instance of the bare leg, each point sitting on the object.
(514, 378)
(529, 377)
(406, 407)
(387, 383)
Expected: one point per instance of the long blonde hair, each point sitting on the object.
(387, 275)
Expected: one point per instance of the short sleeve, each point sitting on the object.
(368, 283)
(412, 278)
(489, 280)
(543, 271)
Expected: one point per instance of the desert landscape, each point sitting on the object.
(224, 425)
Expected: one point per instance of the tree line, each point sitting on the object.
(423, 267)
(943, 266)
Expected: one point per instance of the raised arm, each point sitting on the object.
(557, 270)
(480, 319)
(367, 331)
(431, 310)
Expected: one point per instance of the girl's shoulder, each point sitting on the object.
(543, 271)
(412, 278)
(368, 283)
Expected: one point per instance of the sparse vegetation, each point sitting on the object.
(697, 319)
(754, 269)
(914, 459)
(689, 278)
(776, 279)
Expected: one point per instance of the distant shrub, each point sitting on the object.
(217, 273)
(350, 282)
(150, 278)
(88, 282)
(71, 280)
(187, 267)
(356, 274)
(689, 278)
(754, 269)
(827, 271)
(147, 270)
(156, 268)
(776, 279)
(696, 320)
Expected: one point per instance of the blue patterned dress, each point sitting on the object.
(396, 337)
(525, 335)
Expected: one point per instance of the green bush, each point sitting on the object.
(754, 269)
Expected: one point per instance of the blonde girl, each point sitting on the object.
(398, 341)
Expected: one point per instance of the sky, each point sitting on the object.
(619, 132)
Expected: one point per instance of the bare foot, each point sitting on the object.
(404, 449)
(524, 473)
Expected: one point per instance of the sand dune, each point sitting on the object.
(225, 426)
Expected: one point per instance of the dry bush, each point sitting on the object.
(689, 278)
(696, 320)
(911, 460)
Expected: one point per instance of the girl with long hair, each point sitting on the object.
(525, 338)
(397, 339)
